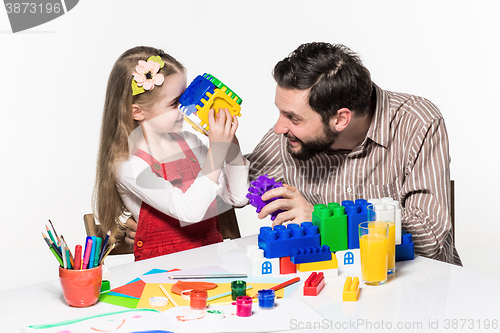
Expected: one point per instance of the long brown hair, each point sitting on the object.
(117, 125)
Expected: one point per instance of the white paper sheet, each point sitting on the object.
(282, 317)
(138, 320)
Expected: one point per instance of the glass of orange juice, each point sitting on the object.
(386, 213)
(373, 243)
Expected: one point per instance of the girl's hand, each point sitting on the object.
(222, 126)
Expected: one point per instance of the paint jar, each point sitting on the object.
(266, 299)
(238, 288)
(198, 299)
(81, 287)
(244, 306)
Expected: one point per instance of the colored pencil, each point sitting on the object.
(223, 295)
(55, 233)
(50, 235)
(168, 295)
(58, 250)
(78, 257)
(63, 251)
(104, 244)
(107, 252)
(52, 249)
(70, 255)
(46, 239)
(177, 277)
(284, 284)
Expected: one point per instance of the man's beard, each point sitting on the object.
(312, 148)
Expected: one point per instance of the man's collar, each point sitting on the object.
(378, 131)
(380, 126)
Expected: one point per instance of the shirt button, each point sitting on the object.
(156, 166)
(139, 243)
(349, 189)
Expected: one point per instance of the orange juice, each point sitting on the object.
(391, 252)
(373, 258)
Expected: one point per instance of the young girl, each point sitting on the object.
(167, 179)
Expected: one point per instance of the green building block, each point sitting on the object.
(332, 223)
(218, 83)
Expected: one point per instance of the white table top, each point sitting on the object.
(425, 294)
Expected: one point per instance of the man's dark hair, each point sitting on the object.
(334, 74)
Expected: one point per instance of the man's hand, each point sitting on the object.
(131, 229)
(296, 208)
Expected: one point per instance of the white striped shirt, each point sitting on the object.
(404, 156)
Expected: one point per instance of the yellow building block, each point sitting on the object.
(351, 289)
(218, 100)
(319, 265)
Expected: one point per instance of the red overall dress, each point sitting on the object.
(159, 234)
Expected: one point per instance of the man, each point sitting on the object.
(340, 137)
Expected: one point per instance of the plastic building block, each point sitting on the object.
(194, 93)
(314, 284)
(356, 213)
(260, 186)
(286, 266)
(330, 267)
(280, 241)
(405, 250)
(332, 223)
(351, 289)
(222, 86)
(311, 254)
(204, 93)
(257, 265)
(349, 258)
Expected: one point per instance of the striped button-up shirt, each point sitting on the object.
(404, 156)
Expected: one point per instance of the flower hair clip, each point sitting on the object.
(146, 75)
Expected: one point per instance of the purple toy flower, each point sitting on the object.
(260, 186)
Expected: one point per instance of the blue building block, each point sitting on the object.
(311, 254)
(405, 250)
(356, 213)
(194, 93)
(280, 241)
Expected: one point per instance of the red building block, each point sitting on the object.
(286, 266)
(314, 283)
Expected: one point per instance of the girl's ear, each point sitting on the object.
(137, 112)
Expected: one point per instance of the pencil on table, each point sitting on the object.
(168, 295)
(283, 285)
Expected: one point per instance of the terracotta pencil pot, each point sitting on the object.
(81, 287)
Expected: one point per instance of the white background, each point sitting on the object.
(53, 79)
